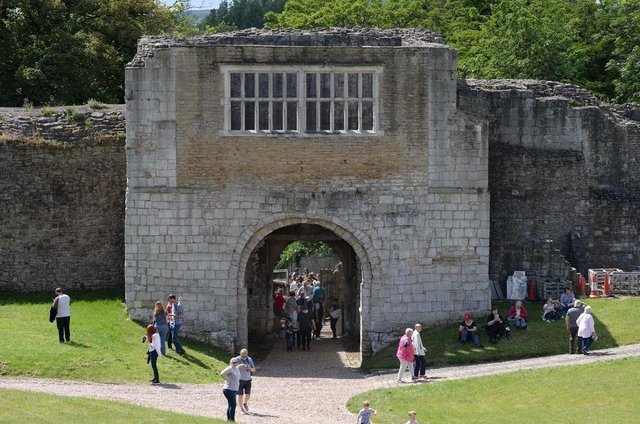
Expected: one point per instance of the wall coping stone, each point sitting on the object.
(329, 37)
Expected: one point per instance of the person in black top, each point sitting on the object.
(495, 326)
(306, 324)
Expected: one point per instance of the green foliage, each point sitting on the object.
(241, 14)
(63, 52)
(527, 396)
(73, 116)
(105, 344)
(38, 407)
(444, 349)
(291, 254)
(523, 39)
(595, 44)
(94, 104)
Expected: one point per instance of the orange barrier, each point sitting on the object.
(581, 286)
(607, 285)
(532, 290)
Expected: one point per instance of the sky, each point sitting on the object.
(197, 4)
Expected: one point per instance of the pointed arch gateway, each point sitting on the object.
(294, 227)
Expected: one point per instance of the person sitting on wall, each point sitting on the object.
(495, 326)
(518, 316)
(468, 329)
(567, 300)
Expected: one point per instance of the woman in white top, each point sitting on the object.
(231, 376)
(586, 329)
(153, 338)
(63, 315)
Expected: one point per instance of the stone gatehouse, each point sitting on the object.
(237, 144)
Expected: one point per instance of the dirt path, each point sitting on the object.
(324, 373)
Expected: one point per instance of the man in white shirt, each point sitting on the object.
(419, 360)
(62, 304)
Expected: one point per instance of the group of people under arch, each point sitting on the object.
(303, 310)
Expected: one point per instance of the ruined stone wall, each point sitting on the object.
(62, 185)
(562, 169)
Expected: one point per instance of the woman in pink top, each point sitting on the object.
(405, 354)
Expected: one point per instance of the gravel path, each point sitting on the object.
(282, 377)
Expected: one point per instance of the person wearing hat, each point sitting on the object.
(570, 320)
(468, 329)
(62, 304)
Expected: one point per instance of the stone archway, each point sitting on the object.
(352, 245)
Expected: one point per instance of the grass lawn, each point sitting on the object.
(27, 407)
(613, 325)
(105, 344)
(594, 393)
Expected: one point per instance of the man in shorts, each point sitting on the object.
(244, 390)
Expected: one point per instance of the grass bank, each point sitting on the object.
(613, 326)
(105, 344)
(596, 392)
(28, 407)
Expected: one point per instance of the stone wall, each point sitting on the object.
(62, 185)
(562, 168)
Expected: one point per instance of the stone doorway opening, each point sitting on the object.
(345, 282)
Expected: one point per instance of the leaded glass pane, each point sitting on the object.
(338, 116)
(353, 85)
(263, 85)
(236, 85)
(249, 116)
(338, 86)
(311, 86)
(353, 116)
(236, 116)
(292, 86)
(277, 116)
(263, 116)
(311, 117)
(277, 85)
(367, 116)
(292, 116)
(325, 86)
(325, 116)
(367, 85)
(249, 85)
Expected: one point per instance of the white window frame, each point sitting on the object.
(301, 99)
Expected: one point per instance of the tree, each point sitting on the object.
(66, 52)
(624, 33)
(523, 39)
(241, 14)
(292, 254)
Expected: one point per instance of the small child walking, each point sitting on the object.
(412, 418)
(364, 416)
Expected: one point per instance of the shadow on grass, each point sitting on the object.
(79, 345)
